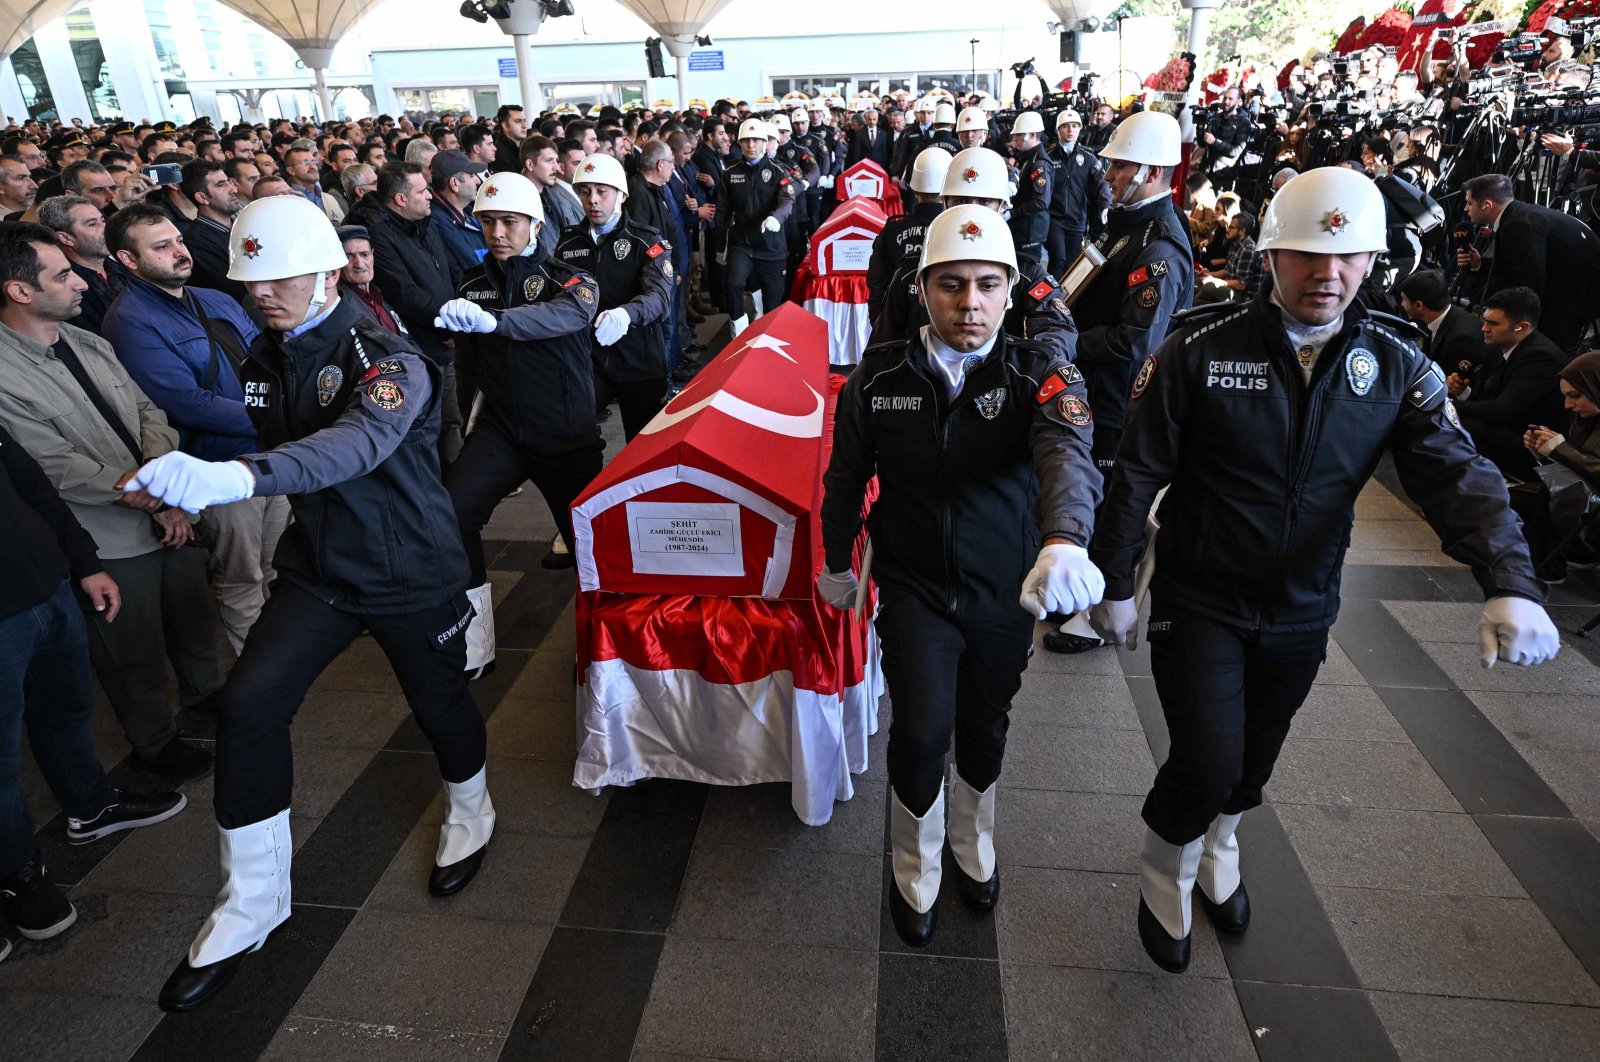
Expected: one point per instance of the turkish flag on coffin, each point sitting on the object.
(719, 494)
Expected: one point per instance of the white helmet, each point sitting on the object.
(800, 114)
(971, 119)
(968, 233)
(601, 169)
(1149, 138)
(988, 105)
(928, 171)
(926, 103)
(819, 105)
(1068, 115)
(282, 236)
(979, 173)
(944, 114)
(1328, 210)
(1028, 122)
(511, 192)
(779, 121)
(753, 129)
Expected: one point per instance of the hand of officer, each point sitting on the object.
(1116, 622)
(192, 484)
(770, 224)
(1063, 579)
(722, 258)
(825, 181)
(611, 326)
(838, 590)
(1516, 630)
(464, 315)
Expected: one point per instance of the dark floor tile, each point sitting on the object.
(1299, 1023)
(1439, 1029)
(358, 839)
(303, 1039)
(586, 998)
(961, 933)
(1470, 755)
(1382, 651)
(631, 876)
(71, 863)
(932, 1008)
(1290, 940)
(240, 1021)
(487, 693)
(818, 899)
(42, 1026)
(1389, 582)
(1558, 862)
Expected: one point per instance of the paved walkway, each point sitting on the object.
(1423, 879)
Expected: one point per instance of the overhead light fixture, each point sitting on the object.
(497, 9)
(1090, 24)
(557, 8)
(704, 42)
(470, 9)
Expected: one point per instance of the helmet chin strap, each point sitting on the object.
(319, 296)
(1126, 198)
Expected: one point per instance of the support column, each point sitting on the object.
(1199, 28)
(317, 60)
(679, 49)
(532, 98)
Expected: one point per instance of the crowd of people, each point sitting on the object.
(266, 386)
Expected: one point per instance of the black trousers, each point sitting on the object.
(639, 400)
(1064, 246)
(297, 636)
(1228, 696)
(948, 677)
(741, 268)
(492, 465)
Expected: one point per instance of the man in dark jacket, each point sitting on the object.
(1454, 338)
(44, 656)
(510, 130)
(1514, 386)
(1264, 422)
(80, 229)
(650, 203)
(347, 414)
(1079, 197)
(417, 273)
(1226, 136)
(216, 199)
(456, 180)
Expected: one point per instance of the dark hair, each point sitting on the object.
(1495, 187)
(194, 177)
(19, 258)
(117, 158)
(567, 144)
(72, 176)
(505, 112)
(650, 128)
(1519, 304)
(576, 129)
(1379, 147)
(117, 238)
(549, 126)
(439, 132)
(1245, 223)
(532, 146)
(335, 148)
(1428, 287)
(231, 142)
(231, 165)
(608, 136)
(12, 144)
(395, 179)
(148, 143)
(366, 149)
(709, 127)
(470, 136)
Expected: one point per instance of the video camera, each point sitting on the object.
(1024, 68)
(1523, 50)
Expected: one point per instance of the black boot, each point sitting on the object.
(1171, 955)
(447, 881)
(915, 929)
(189, 987)
(978, 895)
(1231, 915)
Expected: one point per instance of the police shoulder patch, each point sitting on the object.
(390, 367)
(655, 251)
(1075, 411)
(1070, 374)
(1053, 385)
(1142, 380)
(1148, 297)
(386, 394)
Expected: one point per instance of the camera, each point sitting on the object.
(1024, 68)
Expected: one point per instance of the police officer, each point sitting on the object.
(1226, 136)
(972, 127)
(899, 246)
(968, 431)
(830, 162)
(349, 415)
(942, 133)
(754, 199)
(975, 177)
(1123, 312)
(1030, 205)
(633, 265)
(526, 317)
(916, 136)
(1079, 196)
(805, 172)
(1264, 422)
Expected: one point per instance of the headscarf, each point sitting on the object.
(1583, 373)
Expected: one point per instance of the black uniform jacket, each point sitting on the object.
(1458, 347)
(633, 265)
(534, 369)
(1079, 193)
(747, 194)
(348, 418)
(1264, 471)
(897, 247)
(957, 480)
(1030, 207)
(1148, 276)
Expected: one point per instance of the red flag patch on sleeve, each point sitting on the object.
(1138, 276)
(1052, 386)
(655, 250)
(573, 280)
(1041, 289)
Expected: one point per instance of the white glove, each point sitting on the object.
(1063, 579)
(771, 224)
(722, 258)
(838, 590)
(464, 315)
(826, 181)
(1116, 622)
(611, 326)
(192, 484)
(1516, 630)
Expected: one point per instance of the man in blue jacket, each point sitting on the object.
(455, 183)
(183, 345)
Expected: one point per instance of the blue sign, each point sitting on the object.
(703, 60)
(508, 68)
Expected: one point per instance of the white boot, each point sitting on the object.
(255, 897)
(480, 630)
(972, 842)
(917, 851)
(1221, 887)
(1167, 875)
(739, 324)
(468, 824)
(755, 300)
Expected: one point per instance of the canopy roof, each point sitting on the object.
(302, 23)
(24, 18)
(675, 18)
